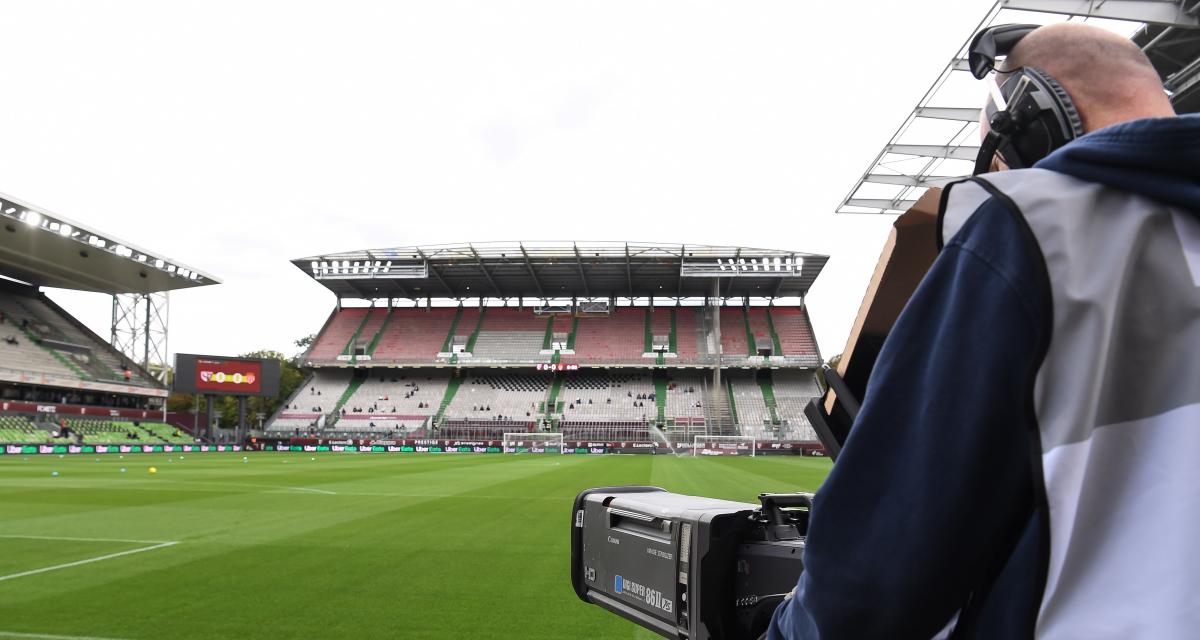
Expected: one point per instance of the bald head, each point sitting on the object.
(1107, 76)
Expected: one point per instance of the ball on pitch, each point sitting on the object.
(153, 469)
(54, 474)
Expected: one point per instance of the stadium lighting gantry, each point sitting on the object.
(52, 257)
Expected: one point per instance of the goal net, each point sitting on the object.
(533, 443)
(724, 446)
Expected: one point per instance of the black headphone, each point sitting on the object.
(1030, 114)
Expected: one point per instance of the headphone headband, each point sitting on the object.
(994, 42)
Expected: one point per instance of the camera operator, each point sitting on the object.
(1026, 461)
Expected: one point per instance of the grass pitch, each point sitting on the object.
(332, 546)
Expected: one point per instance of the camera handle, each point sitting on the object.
(778, 524)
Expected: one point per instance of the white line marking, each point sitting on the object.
(321, 491)
(48, 636)
(86, 561)
(82, 539)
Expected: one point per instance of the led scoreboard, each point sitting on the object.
(557, 367)
(217, 375)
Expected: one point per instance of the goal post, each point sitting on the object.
(725, 446)
(533, 443)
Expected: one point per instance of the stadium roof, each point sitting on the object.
(46, 249)
(543, 270)
(939, 140)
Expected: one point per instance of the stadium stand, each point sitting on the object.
(19, 429)
(733, 333)
(581, 363)
(337, 333)
(753, 414)
(793, 390)
(510, 346)
(364, 335)
(484, 397)
(414, 335)
(393, 401)
(685, 397)
(53, 368)
(690, 343)
(318, 396)
(760, 330)
(795, 332)
(625, 397)
(20, 352)
(611, 339)
(38, 337)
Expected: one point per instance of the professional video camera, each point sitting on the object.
(698, 568)
(687, 566)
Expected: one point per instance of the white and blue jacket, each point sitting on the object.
(1026, 462)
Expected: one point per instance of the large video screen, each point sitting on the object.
(217, 375)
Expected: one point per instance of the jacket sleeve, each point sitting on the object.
(935, 478)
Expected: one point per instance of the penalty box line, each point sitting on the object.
(153, 544)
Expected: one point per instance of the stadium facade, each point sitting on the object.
(607, 342)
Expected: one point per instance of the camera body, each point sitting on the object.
(687, 566)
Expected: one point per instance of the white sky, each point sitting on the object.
(235, 136)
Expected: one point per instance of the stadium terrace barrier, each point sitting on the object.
(36, 449)
(44, 408)
(577, 447)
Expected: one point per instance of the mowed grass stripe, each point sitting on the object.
(437, 546)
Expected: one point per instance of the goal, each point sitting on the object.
(725, 446)
(533, 443)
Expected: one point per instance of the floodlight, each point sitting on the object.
(31, 218)
(64, 230)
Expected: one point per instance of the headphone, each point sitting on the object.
(1030, 114)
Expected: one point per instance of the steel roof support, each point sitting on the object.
(679, 287)
(139, 330)
(403, 290)
(582, 278)
(779, 285)
(435, 272)
(487, 274)
(1166, 12)
(910, 181)
(533, 274)
(729, 281)
(934, 151)
(961, 114)
(628, 271)
(880, 203)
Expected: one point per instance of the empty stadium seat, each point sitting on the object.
(333, 339)
(414, 335)
(616, 338)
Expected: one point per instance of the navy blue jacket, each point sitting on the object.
(933, 506)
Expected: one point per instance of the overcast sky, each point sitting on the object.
(235, 136)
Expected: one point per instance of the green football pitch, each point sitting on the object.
(337, 546)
